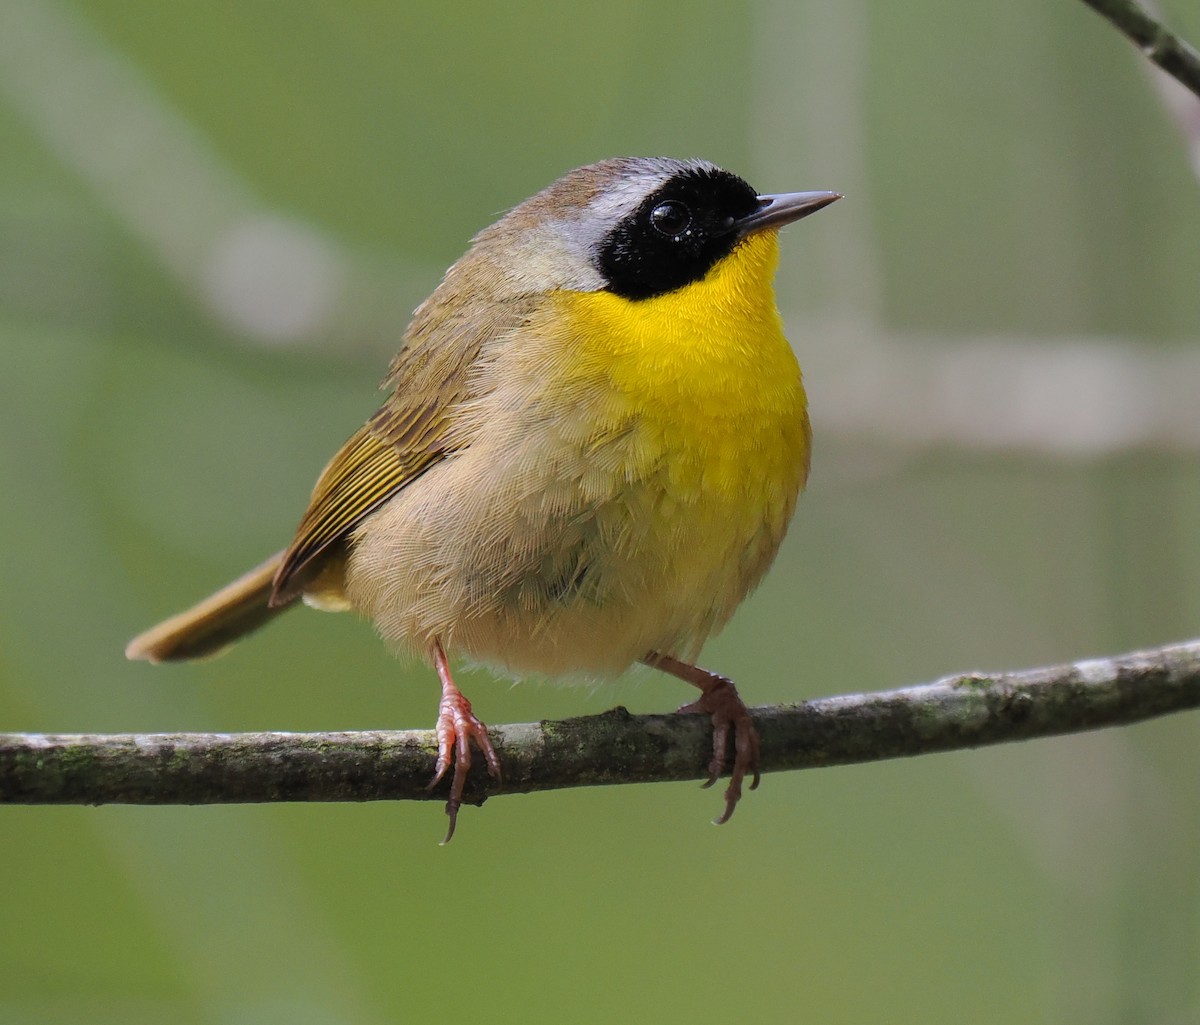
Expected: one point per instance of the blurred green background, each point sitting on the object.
(214, 221)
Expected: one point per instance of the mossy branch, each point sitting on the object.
(965, 711)
(1175, 56)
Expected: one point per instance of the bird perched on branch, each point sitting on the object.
(592, 446)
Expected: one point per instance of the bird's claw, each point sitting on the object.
(456, 727)
(721, 701)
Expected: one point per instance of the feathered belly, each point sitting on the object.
(582, 552)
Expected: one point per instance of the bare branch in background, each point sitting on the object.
(965, 711)
(1162, 47)
(1180, 103)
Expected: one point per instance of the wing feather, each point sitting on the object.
(410, 433)
(365, 473)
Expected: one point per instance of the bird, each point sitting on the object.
(592, 445)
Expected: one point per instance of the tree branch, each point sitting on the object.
(957, 712)
(1174, 55)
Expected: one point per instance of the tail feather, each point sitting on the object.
(215, 623)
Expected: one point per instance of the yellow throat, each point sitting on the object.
(707, 368)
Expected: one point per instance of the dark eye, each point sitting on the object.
(671, 218)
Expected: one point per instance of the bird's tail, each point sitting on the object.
(215, 623)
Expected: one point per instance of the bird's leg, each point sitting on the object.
(456, 728)
(719, 699)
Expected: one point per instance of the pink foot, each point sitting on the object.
(456, 727)
(720, 700)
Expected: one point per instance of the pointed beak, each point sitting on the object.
(783, 208)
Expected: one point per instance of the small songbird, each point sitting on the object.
(592, 447)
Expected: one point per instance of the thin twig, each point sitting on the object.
(964, 711)
(1175, 56)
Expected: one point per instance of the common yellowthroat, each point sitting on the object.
(592, 446)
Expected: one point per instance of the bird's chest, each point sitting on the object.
(680, 435)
